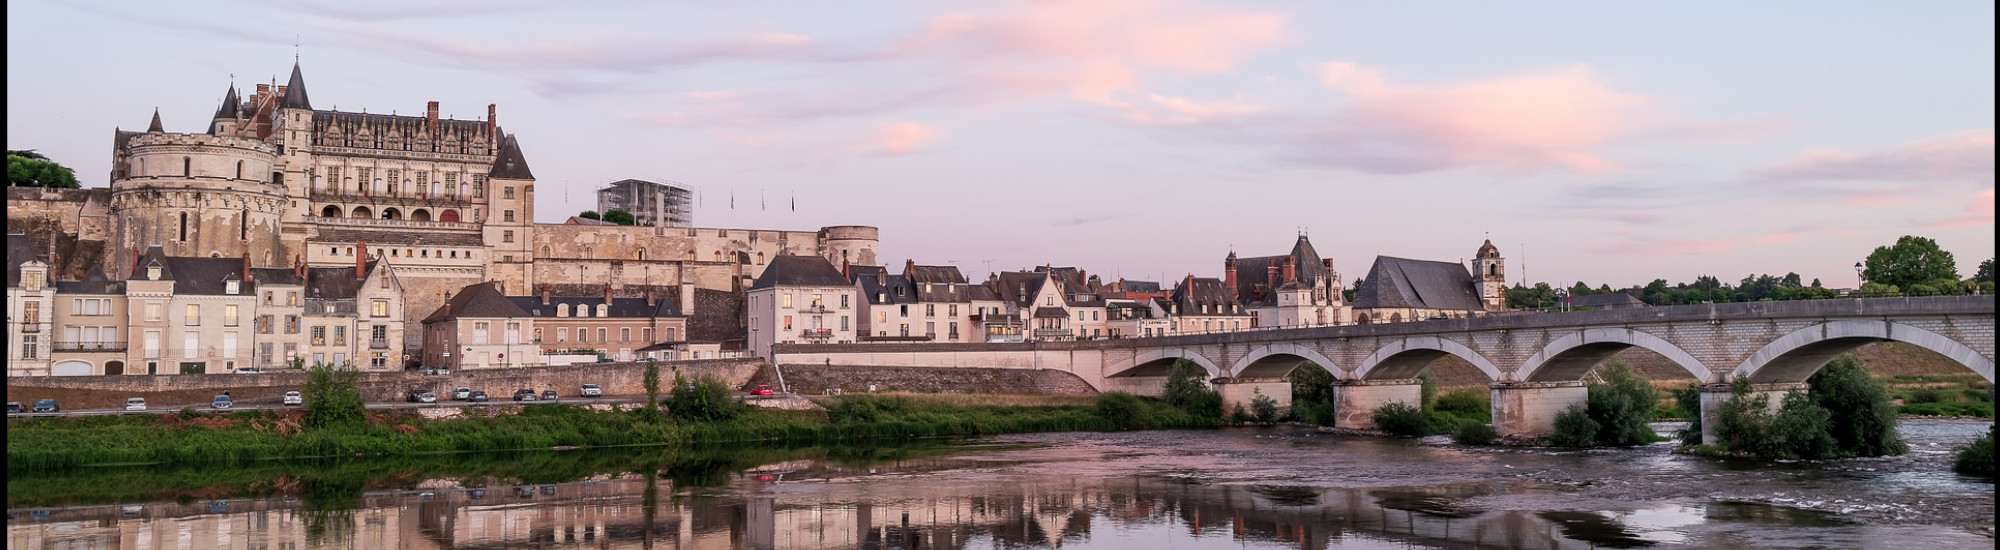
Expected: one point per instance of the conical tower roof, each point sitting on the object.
(510, 164)
(295, 90)
(155, 126)
(232, 106)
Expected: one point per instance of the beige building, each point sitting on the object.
(1055, 303)
(30, 310)
(479, 328)
(1202, 305)
(1401, 289)
(343, 316)
(801, 299)
(926, 303)
(607, 326)
(1298, 288)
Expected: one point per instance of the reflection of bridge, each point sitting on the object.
(1536, 361)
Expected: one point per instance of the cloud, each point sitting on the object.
(1960, 156)
(899, 138)
(1526, 122)
(1163, 110)
(1628, 244)
(1633, 203)
(1979, 213)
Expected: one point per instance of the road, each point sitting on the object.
(390, 405)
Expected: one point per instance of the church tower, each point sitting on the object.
(292, 133)
(1492, 275)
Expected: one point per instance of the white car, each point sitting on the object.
(592, 390)
(293, 398)
(135, 404)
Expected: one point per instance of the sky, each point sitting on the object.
(1603, 142)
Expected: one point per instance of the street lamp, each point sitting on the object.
(1858, 279)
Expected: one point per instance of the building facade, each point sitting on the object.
(1401, 289)
(1298, 288)
(801, 299)
(650, 203)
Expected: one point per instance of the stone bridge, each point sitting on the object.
(1536, 362)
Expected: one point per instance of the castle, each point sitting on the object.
(449, 203)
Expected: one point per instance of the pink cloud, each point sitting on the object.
(1979, 213)
(1959, 156)
(899, 138)
(1532, 121)
(1164, 110)
(1630, 245)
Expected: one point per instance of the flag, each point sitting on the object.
(732, 199)
(795, 203)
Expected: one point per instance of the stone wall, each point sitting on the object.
(818, 379)
(175, 391)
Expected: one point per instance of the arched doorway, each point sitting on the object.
(420, 215)
(448, 216)
(114, 368)
(362, 212)
(392, 214)
(330, 211)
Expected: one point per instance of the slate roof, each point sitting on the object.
(94, 282)
(933, 274)
(1138, 286)
(476, 300)
(1487, 250)
(155, 125)
(888, 289)
(320, 283)
(206, 276)
(1018, 287)
(1050, 313)
(408, 238)
(718, 317)
(295, 90)
(1195, 292)
(19, 251)
(625, 308)
(1253, 284)
(787, 270)
(1606, 301)
(232, 107)
(1422, 284)
(510, 164)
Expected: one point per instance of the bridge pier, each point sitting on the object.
(1244, 392)
(1529, 409)
(1714, 395)
(1355, 401)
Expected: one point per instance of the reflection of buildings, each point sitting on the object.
(807, 508)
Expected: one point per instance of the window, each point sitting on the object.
(647, 334)
(843, 322)
(190, 344)
(1049, 301)
(904, 331)
(513, 333)
(30, 344)
(379, 308)
(624, 334)
(882, 317)
(562, 334)
(930, 310)
(229, 344)
(184, 226)
(193, 315)
(507, 236)
(930, 329)
(229, 315)
(903, 310)
(954, 330)
(601, 338)
(952, 310)
(291, 324)
(507, 216)
(562, 310)
(152, 311)
(479, 186)
(507, 192)
(318, 336)
(479, 331)
(378, 361)
(187, 170)
(31, 313)
(788, 322)
(152, 344)
(603, 310)
(843, 301)
(785, 300)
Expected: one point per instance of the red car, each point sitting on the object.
(763, 390)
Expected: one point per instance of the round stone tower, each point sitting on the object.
(197, 195)
(845, 245)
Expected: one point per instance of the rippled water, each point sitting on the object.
(1273, 488)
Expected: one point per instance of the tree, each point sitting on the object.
(333, 398)
(1187, 391)
(652, 382)
(31, 169)
(1911, 261)
(1985, 273)
(589, 215)
(620, 217)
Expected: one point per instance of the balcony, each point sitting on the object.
(815, 308)
(817, 334)
(437, 201)
(378, 223)
(89, 346)
(379, 343)
(1053, 334)
(329, 307)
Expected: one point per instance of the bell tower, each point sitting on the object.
(1491, 272)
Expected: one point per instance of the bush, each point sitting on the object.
(1799, 430)
(1264, 408)
(1465, 404)
(1925, 396)
(1473, 433)
(333, 398)
(1427, 389)
(1317, 413)
(1622, 405)
(1122, 410)
(1402, 420)
(1574, 428)
(1689, 400)
(1239, 416)
(1187, 391)
(1977, 459)
(703, 400)
(1863, 419)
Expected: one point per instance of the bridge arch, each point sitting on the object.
(1161, 357)
(1407, 356)
(1796, 356)
(1266, 361)
(1573, 355)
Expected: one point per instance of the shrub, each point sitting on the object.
(1310, 383)
(1863, 419)
(1621, 406)
(652, 382)
(1239, 415)
(1186, 391)
(1402, 420)
(1427, 389)
(1465, 404)
(1123, 411)
(1977, 395)
(1474, 433)
(1799, 430)
(1925, 396)
(703, 399)
(1574, 428)
(1977, 459)
(333, 398)
(1689, 400)
(1264, 408)
(1317, 413)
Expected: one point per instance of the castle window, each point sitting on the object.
(187, 167)
(184, 226)
(642, 254)
(243, 226)
(239, 169)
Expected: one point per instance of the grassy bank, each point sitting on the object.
(42, 444)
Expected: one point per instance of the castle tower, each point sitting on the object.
(845, 245)
(292, 133)
(228, 119)
(197, 195)
(510, 218)
(1491, 271)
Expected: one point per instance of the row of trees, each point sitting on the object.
(31, 169)
(614, 215)
(1913, 266)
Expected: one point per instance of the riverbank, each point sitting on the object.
(46, 444)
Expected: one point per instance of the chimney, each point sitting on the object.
(431, 115)
(687, 298)
(263, 89)
(846, 271)
(1082, 278)
(492, 117)
(650, 300)
(545, 294)
(1291, 269)
(246, 266)
(607, 294)
(299, 268)
(447, 303)
(1271, 276)
(360, 260)
(909, 266)
(1229, 275)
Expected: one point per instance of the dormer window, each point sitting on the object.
(231, 287)
(562, 310)
(603, 310)
(153, 272)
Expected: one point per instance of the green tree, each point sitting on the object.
(333, 398)
(31, 169)
(1863, 419)
(620, 217)
(589, 215)
(1621, 406)
(652, 382)
(1186, 391)
(1985, 273)
(1911, 261)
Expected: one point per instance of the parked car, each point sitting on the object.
(477, 396)
(762, 390)
(47, 406)
(549, 394)
(14, 408)
(135, 404)
(249, 370)
(524, 394)
(437, 371)
(222, 402)
(294, 398)
(422, 396)
(591, 390)
(461, 394)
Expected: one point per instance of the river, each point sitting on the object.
(1282, 487)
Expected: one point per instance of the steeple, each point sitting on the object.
(295, 90)
(232, 107)
(510, 164)
(155, 126)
